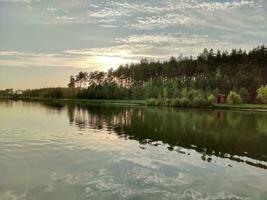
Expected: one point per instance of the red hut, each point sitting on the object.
(221, 98)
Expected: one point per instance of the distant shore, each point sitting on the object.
(246, 107)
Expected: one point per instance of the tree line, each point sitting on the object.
(209, 74)
(179, 81)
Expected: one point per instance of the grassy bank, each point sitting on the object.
(255, 107)
(88, 101)
(249, 107)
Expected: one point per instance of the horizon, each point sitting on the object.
(43, 42)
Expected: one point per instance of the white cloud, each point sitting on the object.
(94, 58)
(166, 39)
(66, 18)
(161, 21)
(109, 12)
(51, 9)
(209, 5)
(116, 8)
(17, 53)
(160, 47)
(144, 15)
(20, 1)
(23, 59)
(165, 12)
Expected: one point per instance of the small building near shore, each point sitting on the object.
(221, 98)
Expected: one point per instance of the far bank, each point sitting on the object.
(84, 102)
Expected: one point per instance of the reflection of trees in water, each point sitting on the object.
(54, 106)
(50, 106)
(220, 133)
(98, 117)
(8, 103)
(262, 124)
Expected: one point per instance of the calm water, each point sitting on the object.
(54, 152)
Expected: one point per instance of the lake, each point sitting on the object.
(56, 151)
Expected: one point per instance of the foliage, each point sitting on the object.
(179, 102)
(151, 102)
(106, 91)
(6, 93)
(211, 98)
(262, 93)
(233, 98)
(55, 93)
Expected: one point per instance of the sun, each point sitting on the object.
(105, 62)
(111, 61)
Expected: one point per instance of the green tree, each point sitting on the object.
(262, 93)
(233, 98)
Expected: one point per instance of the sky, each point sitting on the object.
(43, 42)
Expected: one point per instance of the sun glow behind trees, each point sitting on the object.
(111, 61)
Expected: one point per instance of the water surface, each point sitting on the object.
(53, 151)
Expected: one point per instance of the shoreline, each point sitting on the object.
(240, 107)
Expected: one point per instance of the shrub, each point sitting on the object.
(151, 102)
(233, 98)
(192, 94)
(168, 102)
(184, 102)
(176, 102)
(211, 98)
(262, 93)
(200, 102)
(184, 93)
(159, 102)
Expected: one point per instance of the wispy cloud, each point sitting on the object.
(135, 29)
(92, 59)
(51, 9)
(66, 19)
(175, 39)
(24, 59)
(161, 14)
(17, 53)
(209, 5)
(162, 21)
(161, 46)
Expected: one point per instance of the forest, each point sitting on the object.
(180, 81)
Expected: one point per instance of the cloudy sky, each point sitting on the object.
(42, 42)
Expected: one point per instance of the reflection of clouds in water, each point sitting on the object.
(149, 175)
(146, 177)
(100, 184)
(103, 190)
(12, 195)
(105, 187)
(262, 125)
